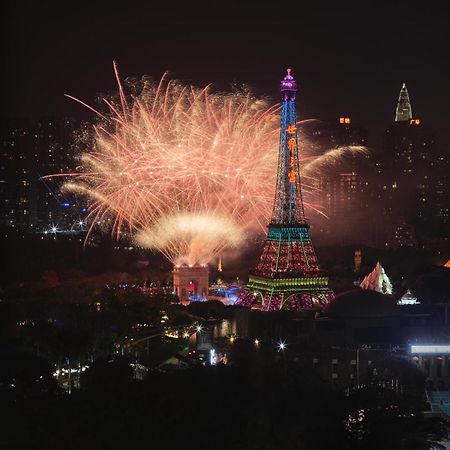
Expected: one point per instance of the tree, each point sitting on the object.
(382, 418)
(26, 375)
(107, 375)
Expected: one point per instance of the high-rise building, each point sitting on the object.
(16, 162)
(403, 113)
(343, 200)
(344, 132)
(414, 179)
(28, 153)
(332, 133)
(342, 190)
(54, 155)
(402, 234)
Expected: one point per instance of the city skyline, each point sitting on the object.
(349, 62)
(225, 210)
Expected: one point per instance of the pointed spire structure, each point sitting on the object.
(404, 111)
(377, 280)
(287, 275)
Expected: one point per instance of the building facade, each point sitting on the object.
(16, 181)
(30, 201)
(413, 186)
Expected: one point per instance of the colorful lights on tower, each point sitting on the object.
(287, 274)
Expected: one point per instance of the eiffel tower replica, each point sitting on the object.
(287, 275)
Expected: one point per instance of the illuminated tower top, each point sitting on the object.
(288, 204)
(288, 86)
(403, 112)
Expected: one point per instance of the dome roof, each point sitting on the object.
(361, 303)
(408, 299)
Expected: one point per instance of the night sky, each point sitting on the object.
(348, 59)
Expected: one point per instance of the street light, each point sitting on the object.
(281, 345)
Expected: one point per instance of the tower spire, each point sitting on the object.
(404, 111)
(288, 204)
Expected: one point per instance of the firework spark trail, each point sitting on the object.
(331, 157)
(172, 155)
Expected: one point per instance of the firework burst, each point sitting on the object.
(184, 170)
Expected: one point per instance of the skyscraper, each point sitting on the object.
(414, 182)
(53, 155)
(341, 188)
(403, 113)
(16, 143)
(28, 153)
